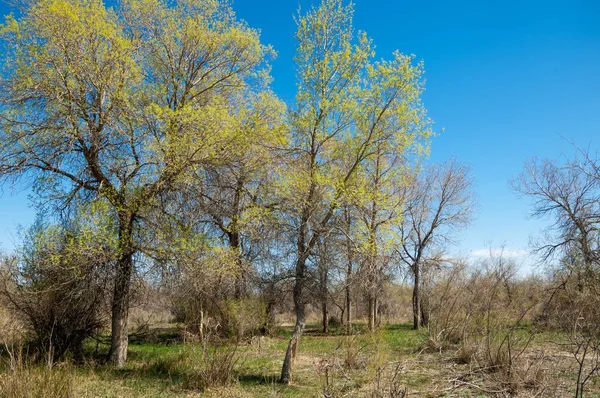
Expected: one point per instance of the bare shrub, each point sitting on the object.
(212, 366)
(57, 286)
(484, 314)
(575, 309)
(201, 294)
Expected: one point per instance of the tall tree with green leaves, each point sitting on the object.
(121, 106)
(346, 106)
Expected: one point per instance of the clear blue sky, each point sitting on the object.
(507, 80)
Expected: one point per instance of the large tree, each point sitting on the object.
(120, 106)
(345, 106)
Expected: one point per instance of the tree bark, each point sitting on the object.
(424, 304)
(348, 304)
(300, 309)
(121, 292)
(324, 296)
(240, 272)
(325, 317)
(348, 275)
(371, 313)
(416, 299)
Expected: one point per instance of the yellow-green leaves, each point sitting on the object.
(350, 110)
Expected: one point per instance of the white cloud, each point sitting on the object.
(505, 252)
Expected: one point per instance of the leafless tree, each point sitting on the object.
(439, 201)
(568, 193)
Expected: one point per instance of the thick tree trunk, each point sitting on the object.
(240, 272)
(423, 302)
(416, 299)
(121, 292)
(300, 309)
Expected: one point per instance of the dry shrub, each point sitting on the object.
(353, 353)
(57, 286)
(26, 380)
(213, 366)
(484, 315)
(575, 310)
(201, 294)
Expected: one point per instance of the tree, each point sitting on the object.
(379, 207)
(437, 202)
(236, 196)
(121, 106)
(570, 194)
(346, 104)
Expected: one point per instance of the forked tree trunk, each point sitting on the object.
(121, 292)
(300, 309)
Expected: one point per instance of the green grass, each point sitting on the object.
(159, 364)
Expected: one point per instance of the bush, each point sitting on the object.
(215, 367)
(57, 286)
(481, 314)
(202, 295)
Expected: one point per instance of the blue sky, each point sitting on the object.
(507, 80)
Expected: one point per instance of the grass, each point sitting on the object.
(159, 365)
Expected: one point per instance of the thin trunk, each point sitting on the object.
(371, 313)
(325, 317)
(374, 272)
(348, 304)
(376, 314)
(235, 241)
(300, 309)
(348, 275)
(121, 292)
(415, 299)
(324, 294)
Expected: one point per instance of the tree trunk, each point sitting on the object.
(348, 305)
(415, 299)
(240, 272)
(325, 317)
(324, 296)
(121, 292)
(376, 314)
(371, 313)
(348, 273)
(424, 304)
(299, 307)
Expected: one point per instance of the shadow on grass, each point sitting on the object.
(259, 380)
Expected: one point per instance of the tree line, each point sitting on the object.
(154, 143)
